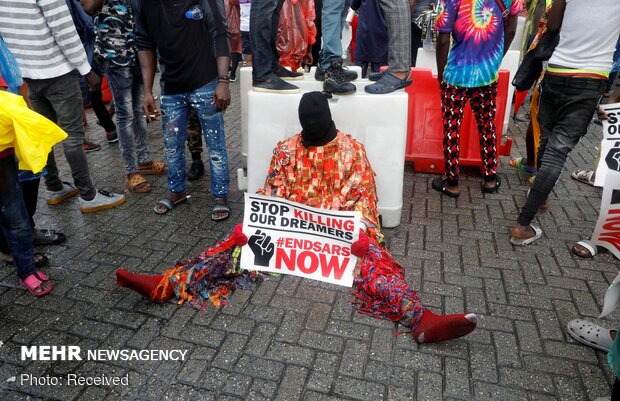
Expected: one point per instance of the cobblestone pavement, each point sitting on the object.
(291, 339)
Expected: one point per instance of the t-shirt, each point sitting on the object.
(114, 33)
(477, 48)
(186, 47)
(588, 35)
(245, 6)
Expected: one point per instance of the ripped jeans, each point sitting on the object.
(175, 110)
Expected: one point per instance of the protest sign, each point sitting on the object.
(291, 238)
(607, 231)
(611, 134)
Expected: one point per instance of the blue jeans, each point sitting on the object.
(264, 22)
(175, 110)
(331, 31)
(14, 218)
(127, 90)
(566, 108)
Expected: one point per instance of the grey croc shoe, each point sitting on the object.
(590, 334)
(388, 83)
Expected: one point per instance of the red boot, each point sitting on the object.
(434, 328)
(144, 285)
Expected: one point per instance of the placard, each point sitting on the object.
(611, 135)
(291, 238)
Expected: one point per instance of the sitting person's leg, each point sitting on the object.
(382, 292)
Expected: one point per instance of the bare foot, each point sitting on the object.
(522, 232)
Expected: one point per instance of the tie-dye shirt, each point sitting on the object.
(477, 39)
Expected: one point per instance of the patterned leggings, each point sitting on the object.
(482, 101)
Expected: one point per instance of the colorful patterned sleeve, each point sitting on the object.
(446, 15)
(517, 7)
(276, 183)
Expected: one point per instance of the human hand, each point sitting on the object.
(221, 96)
(307, 60)
(149, 108)
(93, 80)
(601, 114)
(240, 238)
(262, 247)
(360, 247)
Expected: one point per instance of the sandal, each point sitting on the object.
(388, 83)
(584, 176)
(40, 260)
(46, 236)
(584, 249)
(37, 284)
(152, 168)
(495, 188)
(517, 164)
(218, 209)
(439, 184)
(137, 184)
(590, 334)
(166, 205)
(527, 241)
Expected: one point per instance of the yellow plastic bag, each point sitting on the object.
(31, 134)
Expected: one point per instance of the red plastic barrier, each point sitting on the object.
(425, 127)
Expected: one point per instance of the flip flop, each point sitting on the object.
(588, 246)
(219, 208)
(590, 334)
(165, 205)
(37, 284)
(152, 168)
(584, 176)
(527, 241)
(517, 164)
(46, 236)
(439, 184)
(43, 260)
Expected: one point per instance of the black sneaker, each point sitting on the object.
(196, 171)
(336, 81)
(274, 84)
(319, 74)
(232, 76)
(288, 74)
(112, 136)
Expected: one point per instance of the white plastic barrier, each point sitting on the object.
(245, 85)
(378, 121)
(426, 59)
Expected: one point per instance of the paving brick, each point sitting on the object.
(324, 370)
(429, 386)
(290, 354)
(323, 342)
(292, 384)
(257, 367)
(359, 389)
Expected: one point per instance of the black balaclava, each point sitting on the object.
(318, 128)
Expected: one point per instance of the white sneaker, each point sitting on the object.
(67, 191)
(102, 201)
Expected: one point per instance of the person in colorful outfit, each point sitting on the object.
(467, 72)
(115, 50)
(320, 167)
(195, 77)
(572, 88)
(296, 33)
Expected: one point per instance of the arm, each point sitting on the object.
(510, 29)
(443, 48)
(92, 6)
(554, 23)
(147, 66)
(58, 20)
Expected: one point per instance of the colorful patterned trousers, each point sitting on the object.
(482, 101)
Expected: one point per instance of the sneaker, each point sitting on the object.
(349, 75)
(103, 200)
(90, 146)
(288, 74)
(336, 81)
(232, 76)
(112, 136)
(274, 84)
(67, 191)
(196, 171)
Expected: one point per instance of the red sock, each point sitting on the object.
(143, 284)
(434, 328)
